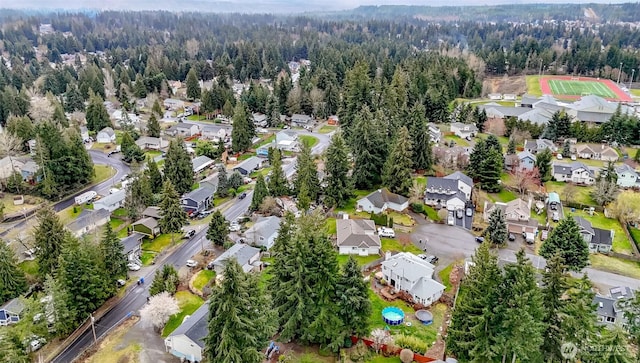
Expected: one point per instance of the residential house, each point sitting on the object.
(434, 133)
(357, 237)
(575, 172)
(112, 201)
(627, 176)
(29, 171)
(450, 156)
(300, 120)
(381, 200)
(173, 104)
(153, 212)
(88, 220)
(197, 200)
(535, 146)
(31, 144)
(10, 312)
(523, 160)
(464, 130)
(133, 247)
(8, 166)
(599, 240)
(106, 136)
(597, 152)
(214, 133)
(247, 257)
(187, 341)
(610, 309)
(147, 226)
(517, 215)
(210, 182)
(621, 292)
(287, 140)
(201, 163)
(84, 133)
(407, 272)
(264, 232)
(263, 151)
(183, 130)
(249, 166)
(121, 118)
(260, 119)
(152, 143)
(451, 192)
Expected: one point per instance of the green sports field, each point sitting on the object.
(580, 88)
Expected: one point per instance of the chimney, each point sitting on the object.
(387, 255)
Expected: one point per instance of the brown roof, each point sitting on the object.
(357, 233)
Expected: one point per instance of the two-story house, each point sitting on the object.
(575, 172)
(598, 240)
(610, 308)
(434, 133)
(464, 131)
(106, 136)
(627, 176)
(451, 192)
(287, 140)
(523, 160)
(535, 146)
(517, 215)
(300, 120)
(197, 200)
(264, 232)
(184, 130)
(407, 272)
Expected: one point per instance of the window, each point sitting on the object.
(611, 319)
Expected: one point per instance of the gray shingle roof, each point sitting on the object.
(240, 251)
(148, 222)
(264, 227)
(114, 198)
(153, 212)
(86, 218)
(585, 225)
(622, 168)
(357, 233)
(458, 175)
(195, 327)
(605, 306)
(200, 162)
(602, 237)
(199, 195)
(567, 169)
(109, 131)
(620, 292)
(250, 164)
(382, 196)
(132, 241)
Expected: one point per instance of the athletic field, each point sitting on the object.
(568, 87)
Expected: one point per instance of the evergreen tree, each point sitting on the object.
(235, 180)
(223, 183)
(613, 348)
(475, 324)
(113, 256)
(139, 196)
(154, 175)
(63, 323)
(492, 142)
(206, 148)
(97, 116)
(399, 164)
(369, 151)
(173, 216)
(73, 100)
(543, 163)
(559, 126)
(480, 118)
(12, 279)
(306, 178)
(511, 147)
(243, 129)
(278, 184)
(554, 286)
(178, 167)
(50, 236)
(339, 183)
(165, 279)
(476, 158)
(131, 152)
(193, 86)
(579, 316)
(490, 170)
(218, 229)
(421, 141)
(227, 109)
(240, 322)
(497, 229)
(354, 305)
(156, 109)
(153, 126)
(566, 240)
(259, 193)
(139, 88)
(566, 148)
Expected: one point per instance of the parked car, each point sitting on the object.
(120, 282)
(544, 235)
(234, 226)
(432, 259)
(459, 213)
(205, 213)
(469, 212)
(512, 237)
(242, 196)
(555, 217)
(450, 219)
(113, 190)
(189, 234)
(559, 156)
(210, 265)
(386, 232)
(573, 157)
(133, 266)
(479, 239)
(35, 343)
(191, 263)
(124, 177)
(422, 256)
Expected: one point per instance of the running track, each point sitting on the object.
(546, 89)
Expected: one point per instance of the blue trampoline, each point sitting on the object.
(392, 315)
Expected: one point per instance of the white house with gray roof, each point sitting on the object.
(263, 232)
(451, 192)
(200, 163)
(599, 240)
(576, 172)
(627, 176)
(249, 166)
(247, 257)
(106, 136)
(112, 201)
(287, 140)
(381, 200)
(88, 220)
(300, 120)
(357, 237)
(187, 341)
(538, 145)
(464, 130)
(407, 272)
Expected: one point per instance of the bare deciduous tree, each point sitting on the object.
(569, 193)
(109, 84)
(416, 193)
(41, 109)
(159, 309)
(524, 180)
(269, 207)
(192, 47)
(626, 206)
(380, 338)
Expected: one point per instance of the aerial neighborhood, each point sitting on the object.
(354, 185)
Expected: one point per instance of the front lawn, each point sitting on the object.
(68, 214)
(152, 154)
(431, 213)
(503, 196)
(382, 359)
(102, 173)
(457, 139)
(147, 257)
(401, 218)
(621, 243)
(331, 226)
(327, 129)
(444, 277)
(309, 140)
(350, 206)
(188, 303)
(160, 243)
(264, 141)
(202, 279)
(361, 260)
(390, 244)
(582, 193)
(615, 265)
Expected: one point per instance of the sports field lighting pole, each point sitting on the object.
(633, 72)
(619, 73)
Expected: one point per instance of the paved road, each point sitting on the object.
(454, 243)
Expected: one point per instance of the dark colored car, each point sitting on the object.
(479, 239)
(242, 196)
(512, 237)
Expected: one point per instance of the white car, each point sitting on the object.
(386, 232)
(450, 219)
(133, 266)
(36, 343)
(559, 156)
(113, 190)
(191, 263)
(234, 226)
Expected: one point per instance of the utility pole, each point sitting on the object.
(540, 72)
(93, 328)
(619, 73)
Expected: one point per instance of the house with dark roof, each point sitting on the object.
(610, 309)
(187, 341)
(147, 226)
(300, 120)
(197, 200)
(153, 212)
(249, 166)
(88, 220)
(10, 312)
(599, 240)
(132, 247)
(452, 192)
(523, 160)
(357, 237)
(627, 176)
(535, 146)
(247, 257)
(381, 200)
(264, 232)
(575, 172)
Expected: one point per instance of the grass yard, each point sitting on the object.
(457, 139)
(541, 218)
(504, 196)
(120, 212)
(582, 195)
(361, 260)
(218, 201)
(103, 172)
(188, 303)
(152, 154)
(350, 206)
(147, 257)
(426, 333)
(245, 156)
(202, 279)
(389, 244)
(331, 226)
(309, 140)
(431, 213)
(30, 268)
(160, 243)
(579, 88)
(635, 234)
(114, 349)
(327, 129)
(533, 85)
(115, 223)
(444, 277)
(122, 233)
(421, 181)
(70, 213)
(381, 359)
(615, 265)
(265, 141)
(401, 218)
(621, 243)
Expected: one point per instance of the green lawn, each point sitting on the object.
(30, 268)
(615, 265)
(309, 140)
(533, 86)
(401, 218)
(147, 257)
(120, 212)
(115, 223)
(635, 234)
(418, 330)
(203, 278)
(327, 129)
(103, 172)
(350, 206)
(381, 359)
(542, 218)
(390, 244)
(582, 194)
(621, 243)
(361, 260)
(160, 243)
(217, 201)
(578, 88)
(331, 226)
(188, 303)
(152, 154)
(458, 140)
(431, 213)
(198, 118)
(504, 196)
(264, 141)
(444, 277)
(635, 92)
(122, 233)
(245, 156)
(421, 181)
(70, 213)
